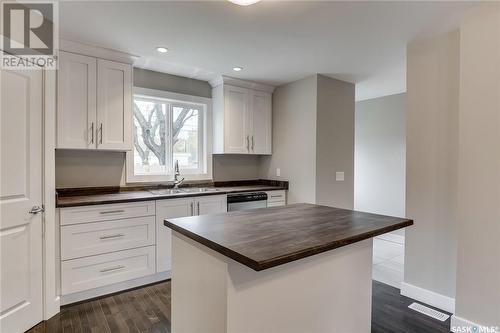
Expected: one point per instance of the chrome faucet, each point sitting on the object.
(177, 181)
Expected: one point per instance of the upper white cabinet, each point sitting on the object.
(77, 89)
(94, 108)
(242, 117)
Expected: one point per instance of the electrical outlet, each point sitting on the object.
(339, 176)
(278, 172)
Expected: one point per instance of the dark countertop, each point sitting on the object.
(99, 196)
(268, 237)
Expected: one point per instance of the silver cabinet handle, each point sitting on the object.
(104, 270)
(253, 143)
(198, 208)
(276, 196)
(36, 209)
(100, 130)
(248, 143)
(113, 211)
(111, 236)
(192, 209)
(92, 131)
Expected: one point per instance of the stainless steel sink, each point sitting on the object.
(173, 191)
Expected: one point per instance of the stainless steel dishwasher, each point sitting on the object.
(244, 201)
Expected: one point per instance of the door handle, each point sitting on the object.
(100, 130)
(92, 131)
(192, 209)
(36, 209)
(198, 208)
(104, 270)
(253, 143)
(248, 143)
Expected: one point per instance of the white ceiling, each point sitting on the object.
(274, 41)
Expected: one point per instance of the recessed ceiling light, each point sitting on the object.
(244, 2)
(162, 49)
(237, 68)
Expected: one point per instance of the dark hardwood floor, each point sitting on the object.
(147, 309)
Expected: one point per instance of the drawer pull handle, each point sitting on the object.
(276, 196)
(111, 236)
(113, 211)
(104, 270)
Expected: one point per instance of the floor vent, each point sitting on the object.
(429, 312)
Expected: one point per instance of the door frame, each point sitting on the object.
(51, 280)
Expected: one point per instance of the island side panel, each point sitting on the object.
(329, 292)
(198, 287)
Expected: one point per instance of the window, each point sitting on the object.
(168, 127)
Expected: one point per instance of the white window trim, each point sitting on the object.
(205, 138)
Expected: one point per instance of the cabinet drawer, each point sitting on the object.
(80, 240)
(273, 196)
(85, 214)
(97, 271)
(276, 204)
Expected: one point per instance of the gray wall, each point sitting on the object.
(432, 157)
(380, 156)
(334, 142)
(75, 168)
(313, 137)
(478, 274)
(294, 139)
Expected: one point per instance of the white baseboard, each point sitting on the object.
(459, 324)
(428, 297)
(113, 288)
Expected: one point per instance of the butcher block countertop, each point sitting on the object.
(268, 237)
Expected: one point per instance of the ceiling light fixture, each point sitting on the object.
(162, 49)
(244, 2)
(237, 68)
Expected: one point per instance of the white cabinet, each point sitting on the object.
(173, 208)
(114, 105)
(242, 121)
(276, 198)
(94, 108)
(261, 120)
(77, 89)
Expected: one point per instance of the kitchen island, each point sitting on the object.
(298, 268)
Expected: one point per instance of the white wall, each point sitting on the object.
(313, 137)
(335, 142)
(431, 163)
(478, 275)
(294, 139)
(380, 156)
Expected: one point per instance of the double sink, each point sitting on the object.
(184, 190)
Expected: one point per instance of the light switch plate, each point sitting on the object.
(278, 172)
(339, 176)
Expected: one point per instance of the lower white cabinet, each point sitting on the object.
(104, 269)
(87, 239)
(276, 198)
(173, 208)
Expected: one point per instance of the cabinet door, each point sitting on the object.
(211, 204)
(261, 121)
(76, 101)
(169, 208)
(236, 108)
(114, 105)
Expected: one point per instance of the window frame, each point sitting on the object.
(204, 172)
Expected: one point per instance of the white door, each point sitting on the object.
(236, 135)
(20, 192)
(76, 101)
(211, 204)
(261, 123)
(114, 105)
(170, 208)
